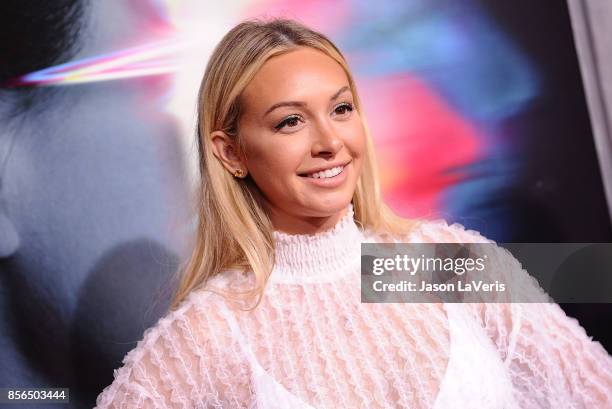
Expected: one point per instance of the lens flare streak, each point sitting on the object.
(149, 59)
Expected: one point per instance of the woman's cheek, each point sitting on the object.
(358, 144)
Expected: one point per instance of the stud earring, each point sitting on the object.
(238, 173)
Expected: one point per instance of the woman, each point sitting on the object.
(268, 311)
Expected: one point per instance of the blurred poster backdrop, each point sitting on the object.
(476, 108)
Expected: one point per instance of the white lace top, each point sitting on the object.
(311, 343)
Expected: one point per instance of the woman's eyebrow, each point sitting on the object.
(302, 104)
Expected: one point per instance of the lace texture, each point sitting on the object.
(311, 343)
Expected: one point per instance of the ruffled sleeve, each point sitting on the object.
(135, 384)
(179, 363)
(553, 363)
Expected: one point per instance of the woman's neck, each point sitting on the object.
(320, 257)
(296, 224)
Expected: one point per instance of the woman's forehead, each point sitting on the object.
(300, 75)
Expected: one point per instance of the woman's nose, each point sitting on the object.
(326, 141)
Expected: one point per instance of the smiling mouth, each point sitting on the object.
(325, 174)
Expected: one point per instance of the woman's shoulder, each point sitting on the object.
(198, 316)
(441, 230)
(186, 317)
(437, 230)
(189, 337)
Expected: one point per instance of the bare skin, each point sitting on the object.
(320, 128)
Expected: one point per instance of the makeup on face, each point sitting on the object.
(304, 140)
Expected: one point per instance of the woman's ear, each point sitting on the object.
(228, 152)
(9, 239)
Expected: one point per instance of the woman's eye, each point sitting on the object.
(343, 108)
(291, 122)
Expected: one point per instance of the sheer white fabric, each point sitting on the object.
(311, 343)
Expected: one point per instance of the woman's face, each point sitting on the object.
(303, 139)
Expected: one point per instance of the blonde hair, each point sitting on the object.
(234, 231)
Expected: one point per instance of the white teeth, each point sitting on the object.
(329, 173)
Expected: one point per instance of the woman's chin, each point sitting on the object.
(329, 207)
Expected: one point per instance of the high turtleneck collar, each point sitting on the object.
(318, 257)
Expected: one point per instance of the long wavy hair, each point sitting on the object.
(234, 230)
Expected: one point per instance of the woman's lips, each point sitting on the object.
(329, 182)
